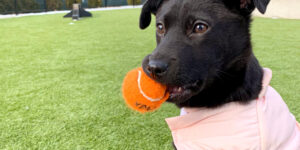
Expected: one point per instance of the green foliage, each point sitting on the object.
(60, 84)
(134, 2)
(54, 4)
(94, 3)
(6, 5)
(27, 5)
(22, 6)
(69, 3)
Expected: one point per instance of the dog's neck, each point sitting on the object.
(243, 86)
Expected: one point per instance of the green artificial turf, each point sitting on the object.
(60, 82)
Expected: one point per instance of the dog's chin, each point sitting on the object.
(180, 94)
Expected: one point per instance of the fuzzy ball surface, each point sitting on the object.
(141, 93)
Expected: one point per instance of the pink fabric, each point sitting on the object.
(263, 124)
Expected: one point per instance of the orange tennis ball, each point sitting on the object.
(141, 93)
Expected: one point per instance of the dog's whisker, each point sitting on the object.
(223, 74)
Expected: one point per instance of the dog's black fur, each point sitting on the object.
(214, 67)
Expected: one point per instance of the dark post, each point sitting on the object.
(45, 5)
(64, 4)
(82, 4)
(16, 7)
(133, 2)
(105, 3)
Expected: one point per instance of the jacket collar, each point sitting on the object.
(193, 115)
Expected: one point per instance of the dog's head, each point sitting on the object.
(200, 43)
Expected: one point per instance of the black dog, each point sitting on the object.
(204, 48)
(204, 56)
(204, 52)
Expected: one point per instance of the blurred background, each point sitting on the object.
(282, 9)
(28, 6)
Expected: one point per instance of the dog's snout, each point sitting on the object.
(156, 68)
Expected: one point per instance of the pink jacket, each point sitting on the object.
(263, 124)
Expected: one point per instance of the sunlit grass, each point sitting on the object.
(60, 82)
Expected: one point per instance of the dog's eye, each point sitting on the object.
(160, 28)
(200, 28)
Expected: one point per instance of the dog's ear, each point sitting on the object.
(261, 5)
(246, 7)
(151, 6)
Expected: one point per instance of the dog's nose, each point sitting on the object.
(156, 68)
